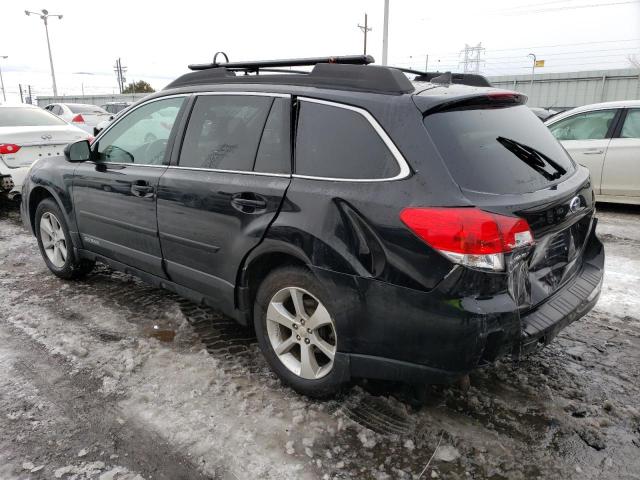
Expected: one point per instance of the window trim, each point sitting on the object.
(405, 170)
(104, 131)
(183, 132)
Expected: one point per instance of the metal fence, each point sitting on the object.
(91, 99)
(562, 91)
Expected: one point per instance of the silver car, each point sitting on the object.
(605, 138)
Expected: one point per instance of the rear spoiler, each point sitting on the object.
(489, 98)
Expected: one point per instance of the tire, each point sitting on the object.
(56, 247)
(315, 332)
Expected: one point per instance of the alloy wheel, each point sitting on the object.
(54, 242)
(302, 333)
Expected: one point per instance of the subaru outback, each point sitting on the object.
(364, 224)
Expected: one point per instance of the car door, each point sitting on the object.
(115, 193)
(586, 137)
(223, 188)
(621, 173)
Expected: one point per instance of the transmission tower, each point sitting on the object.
(472, 58)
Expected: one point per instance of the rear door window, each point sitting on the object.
(224, 132)
(584, 126)
(498, 150)
(335, 142)
(274, 153)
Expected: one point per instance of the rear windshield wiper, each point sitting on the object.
(535, 159)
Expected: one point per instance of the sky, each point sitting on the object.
(156, 40)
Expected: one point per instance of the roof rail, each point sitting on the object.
(255, 66)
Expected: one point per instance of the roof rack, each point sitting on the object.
(255, 66)
(351, 72)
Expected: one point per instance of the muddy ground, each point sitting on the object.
(107, 378)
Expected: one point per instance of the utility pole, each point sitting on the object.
(30, 96)
(472, 58)
(385, 33)
(21, 97)
(533, 68)
(120, 70)
(4, 96)
(365, 29)
(426, 63)
(44, 16)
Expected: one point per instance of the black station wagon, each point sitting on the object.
(365, 224)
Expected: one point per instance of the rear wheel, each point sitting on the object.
(55, 243)
(297, 333)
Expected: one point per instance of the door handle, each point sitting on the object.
(141, 188)
(248, 202)
(594, 151)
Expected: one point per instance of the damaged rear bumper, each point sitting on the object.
(570, 303)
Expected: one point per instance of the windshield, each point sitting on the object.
(27, 117)
(499, 150)
(79, 108)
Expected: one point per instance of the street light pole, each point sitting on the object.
(533, 68)
(3, 57)
(385, 33)
(44, 16)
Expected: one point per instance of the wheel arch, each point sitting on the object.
(37, 195)
(257, 265)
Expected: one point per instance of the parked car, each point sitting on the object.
(81, 115)
(114, 107)
(364, 225)
(605, 138)
(543, 114)
(28, 133)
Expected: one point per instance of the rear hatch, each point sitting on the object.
(506, 161)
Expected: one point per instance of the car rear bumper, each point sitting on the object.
(396, 333)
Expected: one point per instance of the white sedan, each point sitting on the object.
(605, 138)
(81, 115)
(28, 133)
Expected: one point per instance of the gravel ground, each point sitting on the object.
(107, 378)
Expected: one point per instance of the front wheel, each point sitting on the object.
(297, 332)
(55, 243)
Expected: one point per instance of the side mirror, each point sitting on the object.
(78, 152)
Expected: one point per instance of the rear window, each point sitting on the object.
(499, 150)
(79, 108)
(27, 117)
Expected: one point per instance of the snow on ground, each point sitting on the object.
(143, 383)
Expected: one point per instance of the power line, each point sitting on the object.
(574, 7)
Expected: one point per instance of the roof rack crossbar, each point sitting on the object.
(254, 66)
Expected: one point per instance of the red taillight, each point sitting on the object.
(78, 119)
(468, 232)
(8, 148)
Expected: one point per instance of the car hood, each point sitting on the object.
(46, 135)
